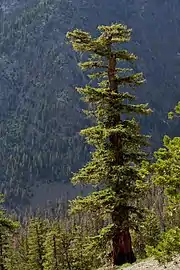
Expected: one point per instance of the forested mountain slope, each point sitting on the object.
(40, 114)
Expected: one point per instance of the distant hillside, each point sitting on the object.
(40, 116)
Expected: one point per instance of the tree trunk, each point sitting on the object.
(122, 248)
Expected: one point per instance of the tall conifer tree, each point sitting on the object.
(116, 138)
(36, 237)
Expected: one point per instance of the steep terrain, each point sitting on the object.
(40, 114)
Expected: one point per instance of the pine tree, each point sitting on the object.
(58, 243)
(116, 138)
(17, 253)
(51, 257)
(36, 238)
(164, 174)
(7, 228)
(13, 260)
(57, 248)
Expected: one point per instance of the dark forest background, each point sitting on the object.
(41, 113)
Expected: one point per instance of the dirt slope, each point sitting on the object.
(153, 265)
(148, 264)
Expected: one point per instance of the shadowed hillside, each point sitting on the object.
(40, 116)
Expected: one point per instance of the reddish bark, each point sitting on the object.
(122, 248)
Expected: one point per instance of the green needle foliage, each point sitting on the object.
(7, 229)
(166, 171)
(175, 113)
(168, 248)
(165, 174)
(36, 236)
(116, 138)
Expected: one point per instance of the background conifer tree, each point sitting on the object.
(116, 137)
(165, 175)
(36, 238)
(52, 251)
(57, 245)
(7, 229)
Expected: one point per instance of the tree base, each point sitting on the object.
(122, 258)
(122, 248)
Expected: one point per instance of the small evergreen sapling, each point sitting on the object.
(116, 137)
